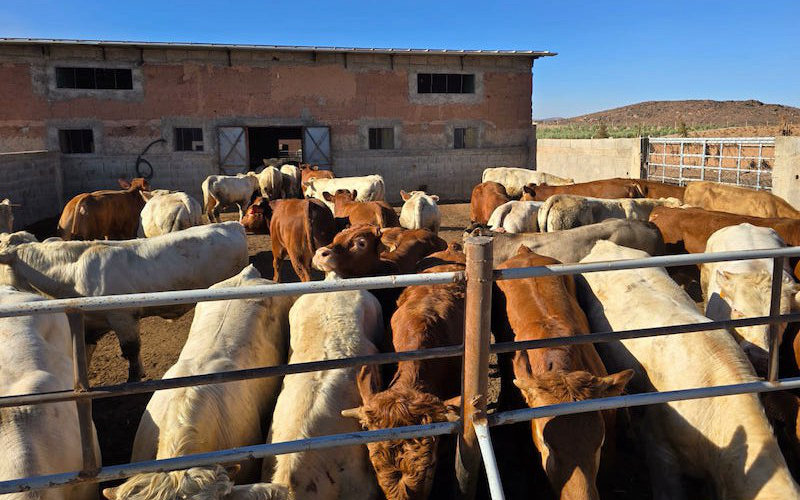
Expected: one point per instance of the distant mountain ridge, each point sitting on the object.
(691, 112)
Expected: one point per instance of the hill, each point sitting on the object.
(695, 113)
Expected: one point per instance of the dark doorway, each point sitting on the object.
(283, 143)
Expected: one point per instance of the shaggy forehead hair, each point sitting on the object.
(566, 386)
(402, 466)
(197, 483)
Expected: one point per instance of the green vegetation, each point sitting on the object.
(602, 132)
(586, 131)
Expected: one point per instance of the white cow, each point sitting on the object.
(325, 326)
(514, 179)
(741, 288)
(566, 211)
(420, 211)
(225, 336)
(194, 258)
(727, 441)
(224, 190)
(39, 439)
(167, 212)
(367, 188)
(515, 217)
(271, 182)
(291, 179)
(6, 216)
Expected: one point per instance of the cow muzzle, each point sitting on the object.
(323, 259)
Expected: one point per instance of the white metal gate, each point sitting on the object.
(742, 161)
(317, 146)
(233, 156)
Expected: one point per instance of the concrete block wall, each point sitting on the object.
(786, 170)
(449, 174)
(180, 171)
(32, 179)
(589, 159)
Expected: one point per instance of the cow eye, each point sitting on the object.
(361, 243)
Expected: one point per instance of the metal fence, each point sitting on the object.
(742, 161)
(474, 441)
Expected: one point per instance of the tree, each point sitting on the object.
(682, 130)
(785, 129)
(602, 132)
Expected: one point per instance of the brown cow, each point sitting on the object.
(297, 229)
(257, 216)
(693, 226)
(654, 189)
(453, 254)
(737, 200)
(313, 172)
(547, 307)
(427, 317)
(106, 214)
(606, 188)
(486, 196)
(378, 213)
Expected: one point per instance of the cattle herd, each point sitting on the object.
(141, 240)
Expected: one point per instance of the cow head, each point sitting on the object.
(529, 192)
(210, 483)
(404, 469)
(135, 184)
(569, 445)
(634, 191)
(9, 242)
(353, 252)
(406, 196)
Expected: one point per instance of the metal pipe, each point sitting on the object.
(775, 312)
(230, 376)
(659, 261)
(81, 384)
(503, 347)
(135, 300)
(489, 460)
(229, 456)
(648, 398)
(475, 382)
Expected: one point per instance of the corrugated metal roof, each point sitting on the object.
(276, 48)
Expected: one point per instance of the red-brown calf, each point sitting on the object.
(485, 197)
(107, 214)
(297, 229)
(606, 188)
(378, 213)
(427, 317)
(569, 445)
(313, 172)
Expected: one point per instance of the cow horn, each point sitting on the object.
(352, 413)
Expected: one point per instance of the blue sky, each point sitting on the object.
(610, 53)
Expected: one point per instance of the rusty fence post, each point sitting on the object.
(81, 384)
(775, 310)
(475, 380)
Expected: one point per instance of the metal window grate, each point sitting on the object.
(741, 161)
(188, 139)
(94, 78)
(445, 83)
(381, 138)
(76, 141)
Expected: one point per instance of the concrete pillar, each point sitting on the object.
(786, 170)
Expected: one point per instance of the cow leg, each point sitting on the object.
(664, 465)
(277, 258)
(127, 329)
(301, 267)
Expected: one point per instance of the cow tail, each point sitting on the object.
(544, 211)
(308, 226)
(78, 215)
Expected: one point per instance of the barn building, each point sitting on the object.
(87, 112)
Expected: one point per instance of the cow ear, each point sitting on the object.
(124, 184)
(327, 196)
(528, 188)
(523, 250)
(404, 195)
(369, 382)
(232, 470)
(110, 493)
(435, 197)
(453, 406)
(615, 384)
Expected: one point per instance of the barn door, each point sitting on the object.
(232, 150)
(317, 146)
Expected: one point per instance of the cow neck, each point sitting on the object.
(48, 272)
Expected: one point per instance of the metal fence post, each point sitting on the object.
(81, 384)
(774, 311)
(475, 380)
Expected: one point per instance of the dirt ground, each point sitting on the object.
(117, 418)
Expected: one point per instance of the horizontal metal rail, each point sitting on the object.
(150, 299)
(229, 376)
(766, 141)
(642, 399)
(229, 456)
(136, 300)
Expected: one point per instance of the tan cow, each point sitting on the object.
(737, 200)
